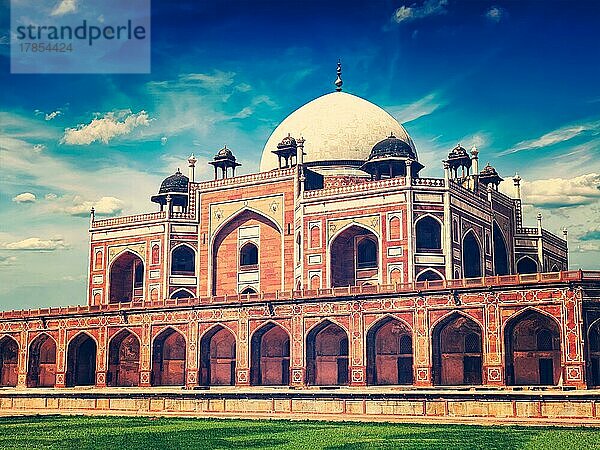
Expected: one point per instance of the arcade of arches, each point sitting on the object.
(390, 350)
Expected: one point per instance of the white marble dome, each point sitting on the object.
(340, 129)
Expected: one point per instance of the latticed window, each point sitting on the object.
(544, 340)
(472, 343)
(405, 344)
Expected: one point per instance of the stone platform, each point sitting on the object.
(469, 405)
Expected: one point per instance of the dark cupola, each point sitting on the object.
(458, 158)
(389, 158)
(175, 188)
(287, 151)
(489, 176)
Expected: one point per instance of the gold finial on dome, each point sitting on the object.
(338, 82)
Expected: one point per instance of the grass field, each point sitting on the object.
(146, 433)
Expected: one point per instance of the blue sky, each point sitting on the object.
(517, 79)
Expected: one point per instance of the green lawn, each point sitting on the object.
(146, 433)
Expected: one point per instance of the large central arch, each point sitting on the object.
(124, 360)
(228, 242)
(217, 357)
(389, 353)
(327, 355)
(41, 370)
(270, 350)
(532, 349)
(81, 361)
(457, 351)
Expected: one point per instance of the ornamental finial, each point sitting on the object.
(338, 82)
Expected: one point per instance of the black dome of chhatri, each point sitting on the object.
(174, 183)
(392, 147)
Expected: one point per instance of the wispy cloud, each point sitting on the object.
(64, 7)
(78, 206)
(7, 260)
(416, 11)
(557, 136)
(36, 244)
(25, 197)
(104, 129)
(496, 14)
(417, 109)
(52, 115)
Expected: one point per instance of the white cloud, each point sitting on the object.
(37, 244)
(557, 136)
(6, 260)
(53, 115)
(496, 14)
(78, 206)
(415, 11)
(420, 108)
(64, 7)
(562, 192)
(50, 196)
(163, 140)
(103, 129)
(25, 197)
(38, 148)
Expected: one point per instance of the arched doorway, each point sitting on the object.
(501, 266)
(457, 354)
(217, 355)
(429, 234)
(327, 355)
(527, 265)
(389, 353)
(9, 361)
(126, 278)
(81, 361)
(168, 359)
(532, 343)
(270, 356)
(183, 261)
(354, 257)
(471, 256)
(594, 354)
(123, 360)
(41, 370)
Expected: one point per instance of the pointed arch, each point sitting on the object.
(249, 254)
(270, 355)
(532, 343)
(471, 255)
(526, 265)
(224, 247)
(168, 358)
(429, 274)
(182, 293)
(346, 265)
(183, 260)
(327, 354)
(389, 352)
(593, 353)
(457, 348)
(9, 361)
(41, 367)
(501, 261)
(249, 290)
(126, 277)
(218, 356)
(124, 359)
(81, 360)
(428, 231)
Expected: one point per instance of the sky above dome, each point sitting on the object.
(517, 79)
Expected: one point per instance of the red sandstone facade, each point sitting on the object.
(301, 277)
